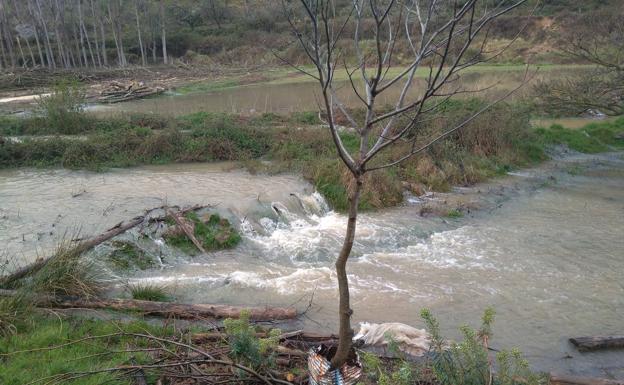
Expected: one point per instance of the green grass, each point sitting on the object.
(149, 292)
(291, 76)
(455, 213)
(215, 233)
(97, 353)
(128, 256)
(496, 142)
(208, 86)
(593, 138)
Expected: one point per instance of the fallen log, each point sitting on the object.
(87, 244)
(80, 248)
(586, 344)
(574, 380)
(166, 309)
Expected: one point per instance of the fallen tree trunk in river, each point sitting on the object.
(167, 309)
(85, 245)
(573, 380)
(80, 248)
(585, 344)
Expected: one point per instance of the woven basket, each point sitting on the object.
(320, 373)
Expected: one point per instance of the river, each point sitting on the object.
(544, 246)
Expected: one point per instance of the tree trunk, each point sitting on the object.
(83, 246)
(163, 32)
(8, 38)
(573, 380)
(167, 309)
(120, 57)
(3, 62)
(345, 333)
(104, 54)
(31, 53)
(33, 20)
(21, 51)
(95, 35)
(586, 344)
(59, 38)
(46, 34)
(21, 18)
(84, 33)
(138, 26)
(118, 24)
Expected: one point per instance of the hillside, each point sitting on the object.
(246, 33)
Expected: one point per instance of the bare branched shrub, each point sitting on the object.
(596, 38)
(444, 37)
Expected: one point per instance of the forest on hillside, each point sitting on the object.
(65, 34)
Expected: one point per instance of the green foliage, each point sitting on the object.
(127, 255)
(216, 233)
(228, 137)
(593, 138)
(307, 117)
(248, 349)
(467, 362)
(149, 292)
(404, 373)
(93, 354)
(64, 108)
(454, 213)
(513, 369)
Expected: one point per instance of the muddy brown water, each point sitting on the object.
(297, 96)
(547, 253)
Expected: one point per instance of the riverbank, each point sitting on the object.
(498, 141)
(544, 225)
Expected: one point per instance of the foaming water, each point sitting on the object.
(546, 252)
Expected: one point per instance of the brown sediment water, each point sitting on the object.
(280, 97)
(545, 248)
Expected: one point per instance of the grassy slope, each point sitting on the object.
(43, 333)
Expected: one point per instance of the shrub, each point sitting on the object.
(467, 362)
(248, 349)
(216, 233)
(127, 255)
(64, 108)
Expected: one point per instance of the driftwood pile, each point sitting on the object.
(119, 92)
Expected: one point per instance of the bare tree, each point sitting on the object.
(445, 37)
(597, 39)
